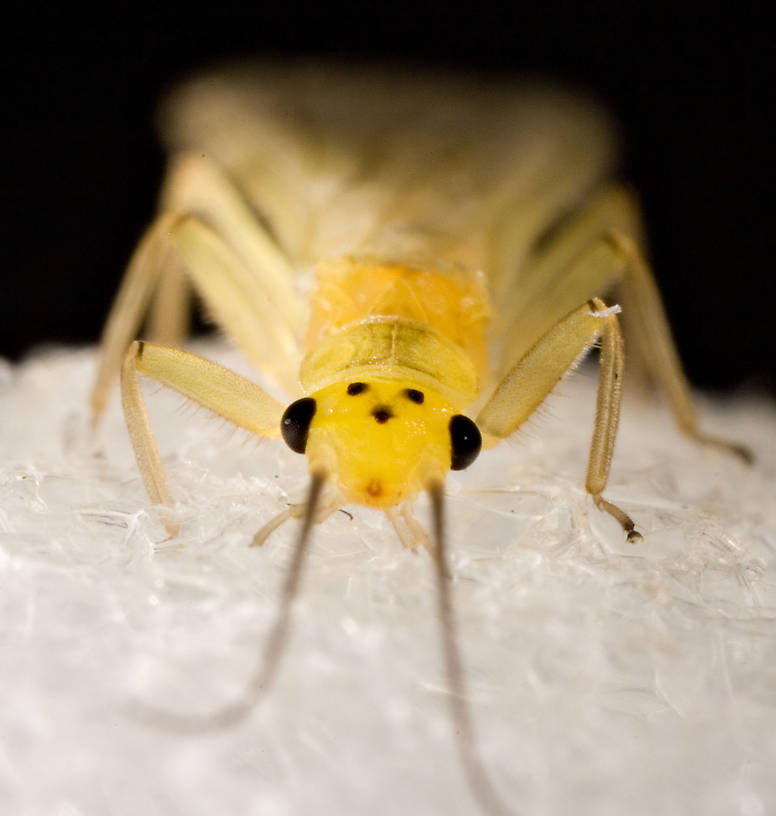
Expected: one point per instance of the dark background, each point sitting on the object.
(689, 86)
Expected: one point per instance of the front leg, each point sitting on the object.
(529, 382)
(221, 391)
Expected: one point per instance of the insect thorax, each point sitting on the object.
(399, 321)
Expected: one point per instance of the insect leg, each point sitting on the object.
(651, 328)
(194, 184)
(529, 382)
(594, 252)
(326, 508)
(209, 237)
(129, 307)
(169, 316)
(408, 529)
(234, 296)
(222, 391)
(558, 276)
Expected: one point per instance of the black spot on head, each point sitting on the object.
(382, 413)
(295, 424)
(414, 395)
(465, 441)
(357, 388)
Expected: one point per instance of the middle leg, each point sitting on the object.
(597, 251)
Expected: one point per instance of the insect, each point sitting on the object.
(447, 245)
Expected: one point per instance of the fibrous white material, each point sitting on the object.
(604, 678)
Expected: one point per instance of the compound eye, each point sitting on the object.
(465, 441)
(295, 424)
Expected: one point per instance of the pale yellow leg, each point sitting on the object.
(408, 529)
(325, 509)
(169, 319)
(195, 185)
(209, 235)
(530, 381)
(567, 269)
(221, 391)
(145, 266)
(596, 251)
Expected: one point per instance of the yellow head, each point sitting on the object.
(382, 440)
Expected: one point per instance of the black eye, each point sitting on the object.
(414, 395)
(356, 388)
(465, 440)
(295, 424)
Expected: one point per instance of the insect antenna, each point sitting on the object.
(231, 713)
(478, 779)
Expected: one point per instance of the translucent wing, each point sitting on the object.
(412, 168)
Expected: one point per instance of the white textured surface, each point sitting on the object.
(604, 678)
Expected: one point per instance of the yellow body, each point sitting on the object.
(462, 235)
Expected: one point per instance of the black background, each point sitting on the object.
(689, 86)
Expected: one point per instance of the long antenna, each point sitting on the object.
(478, 779)
(232, 713)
